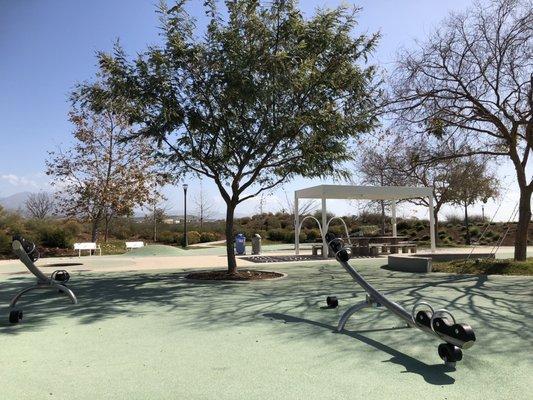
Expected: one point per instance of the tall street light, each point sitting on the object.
(185, 239)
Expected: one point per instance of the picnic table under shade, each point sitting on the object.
(366, 240)
(361, 244)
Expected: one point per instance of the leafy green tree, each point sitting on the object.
(263, 95)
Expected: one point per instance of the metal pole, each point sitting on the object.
(393, 219)
(432, 225)
(296, 226)
(185, 238)
(324, 223)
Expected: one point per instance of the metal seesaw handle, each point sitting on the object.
(342, 255)
(18, 249)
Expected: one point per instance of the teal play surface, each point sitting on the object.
(155, 335)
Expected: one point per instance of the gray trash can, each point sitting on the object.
(256, 244)
(240, 244)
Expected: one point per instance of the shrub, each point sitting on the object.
(288, 236)
(419, 227)
(277, 235)
(474, 231)
(193, 237)
(5, 243)
(166, 237)
(73, 228)
(208, 237)
(369, 230)
(312, 234)
(55, 237)
(403, 225)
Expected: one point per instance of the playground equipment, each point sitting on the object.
(320, 228)
(28, 254)
(439, 323)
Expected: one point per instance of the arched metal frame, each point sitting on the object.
(345, 227)
(299, 228)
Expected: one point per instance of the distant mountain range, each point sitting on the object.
(15, 201)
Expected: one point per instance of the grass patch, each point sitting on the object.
(486, 267)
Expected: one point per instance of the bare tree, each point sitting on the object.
(472, 80)
(103, 176)
(415, 164)
(306, 207)
(39, 205)
(376, 169)
(472, 182)
(204, 208)
(158, 211)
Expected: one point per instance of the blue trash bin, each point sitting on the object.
(240, 244)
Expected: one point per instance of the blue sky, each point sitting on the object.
(48, 46)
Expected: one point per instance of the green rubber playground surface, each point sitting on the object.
(156, 336)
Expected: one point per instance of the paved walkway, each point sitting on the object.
(166, 257)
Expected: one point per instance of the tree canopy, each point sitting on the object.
(101, 176)
(263, 95)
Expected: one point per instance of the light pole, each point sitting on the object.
(185, 239)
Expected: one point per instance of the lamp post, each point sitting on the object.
(185, 239)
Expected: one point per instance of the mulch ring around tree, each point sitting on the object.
(240, 275)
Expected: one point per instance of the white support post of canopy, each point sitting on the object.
(393, 219)
(296, 226)
(432, 225)
(324, 223)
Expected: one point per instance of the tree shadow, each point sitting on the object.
(499, 310)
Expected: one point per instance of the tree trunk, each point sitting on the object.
(436, 225)
(94, 229)
(382, 218)
(467, 225)
(106, 228)
(155, 225)
(230, 249)
(524, 217)
(106, 231)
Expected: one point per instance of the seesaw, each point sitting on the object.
(439, 323)
(27, 253)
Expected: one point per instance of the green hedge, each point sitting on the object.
(55, 237)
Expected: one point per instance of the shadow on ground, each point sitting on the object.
(433, 374)
(499, 308)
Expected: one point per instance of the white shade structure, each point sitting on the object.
(351, 192)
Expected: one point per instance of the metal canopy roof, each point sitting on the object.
(363, 192)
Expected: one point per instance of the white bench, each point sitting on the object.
(134, 245)
(87, 246)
